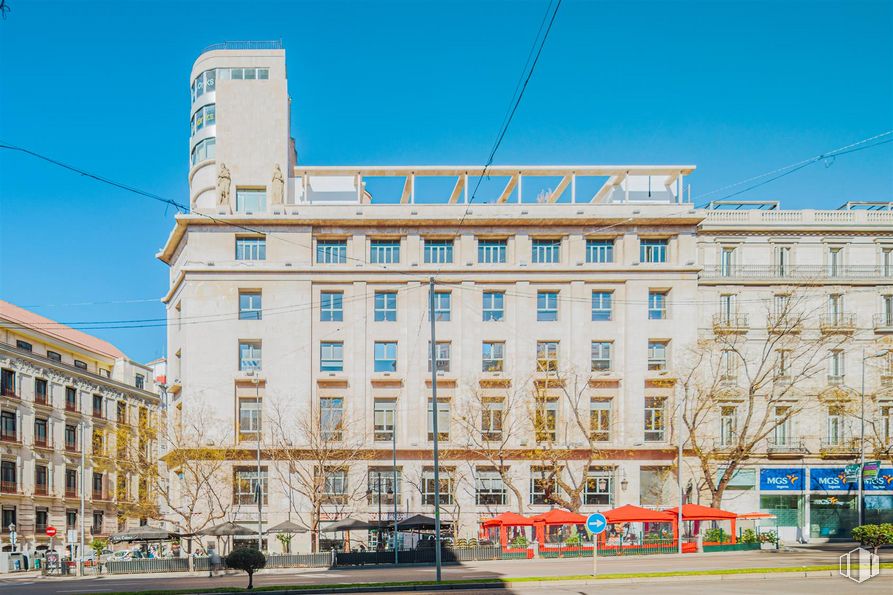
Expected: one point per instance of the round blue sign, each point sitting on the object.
(596, 523)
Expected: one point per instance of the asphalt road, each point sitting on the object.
(469, 570)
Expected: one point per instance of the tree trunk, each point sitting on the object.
(250, 580)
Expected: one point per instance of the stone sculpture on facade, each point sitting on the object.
(277, 189)
(223, 183)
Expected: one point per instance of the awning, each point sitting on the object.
(559, 516)
(696, 512)
(348, 524)
(508, 519)
(636, 514)
(226, 529)
(287, 527)
(144, 534)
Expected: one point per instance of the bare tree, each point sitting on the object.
(754, 382)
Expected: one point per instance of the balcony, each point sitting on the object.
(835, 379)
(41, 400)
(730, 323)
(72, 448)
(71, 493)
(781, 448)
(725, 445)
(784, 323)
(883, 322)
(838, 323)
(41, 490)
(843, 448)
(71, 407)
(9, 392)
(41, 443)
(98, 495)
(9, 438)
(887, 379)
(768, 272)
(40, 529)
(9, 487)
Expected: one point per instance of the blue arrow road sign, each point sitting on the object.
(596, 523)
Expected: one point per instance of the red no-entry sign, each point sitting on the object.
(51, 531)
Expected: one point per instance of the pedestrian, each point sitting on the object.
(214, 563)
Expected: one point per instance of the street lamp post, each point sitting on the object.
(680, 439)
(437, 561)
(861, 479)
(258, 489)
(394, 472)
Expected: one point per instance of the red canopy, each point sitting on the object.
(508, 519)
(696, 512)
(559, 516)
(636, 514)
(753, 515)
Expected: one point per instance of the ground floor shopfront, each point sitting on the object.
(810, 502)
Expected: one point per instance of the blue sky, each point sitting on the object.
(736, 88)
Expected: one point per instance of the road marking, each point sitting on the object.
(83, 590)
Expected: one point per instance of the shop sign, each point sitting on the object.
(870, 469)
(883, 481)
(852, 472)
(826, 479)
(775, 479)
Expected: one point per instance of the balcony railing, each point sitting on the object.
(72, 448)
(72, 407)
(790, 446)
(40, 529)
(883, 322)
(730, 323)
(40, 399)
(41, 490)
(838, 323)
(98, 495)
(9, 487)
(840, 446)
(244, 45)
(784, 323)
(793, 273)
(41, 443)
(9, 391)
(886, 379)
(71, 493)
(727, 444)
(9, 438)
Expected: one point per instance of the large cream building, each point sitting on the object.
(567, 304)
(76, 419)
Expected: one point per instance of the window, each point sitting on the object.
(80, 364)
(443, 420)
(545, 420)
(334, 485)
(546, 251)
(887, 262)
(385, 306)
(203, 116)
(40, 431)
(835, 309)
(251, 249)
(139, 381)
(835, 365)
(600, 420)
(599, 488)
(600, 251)
(71, 399)
(383, 419)
(121, 412)
(727, 261)
(8, 477)
(9, 517)
(384, 251)
(886, 317)
(602, 305)
(97, 406)
(657, 305)
(241, 74)
(98, 442)
(655, 422)
(728, 307)
(438, 251)
(835, 262)
(546, 306)
(442, 355)
(657, 355)
(41, 481)
(601, 356)
(784, 363)
(446, 487)
(97, 486)
(71, 518)
(385, 356)
(331, 356)
(250, 355)
(887, 425)
(492, 251)
(71, 482)
(250, 305)
(331, 418)
(835, 426)
(728, 364)
(249, 486)
(71, 437)
(331, 251)
(489, 489)
(653, 251)
(55, 356)
(728, 425)
(382, 487)
(442, 301)
(782, 431)
(250, 418)
(24, 345)
(492, 412)
(8, 383)
(492, 356)
(203, 150)
(542, 486)
(331, 306)
(547, 356)
(782, 260)
(98, 519)
(494, 305)
(40, 390)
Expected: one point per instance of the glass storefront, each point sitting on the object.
(832, 516)
(787, 508)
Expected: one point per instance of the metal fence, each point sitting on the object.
(426, 555)
(318, 560)
(147, 565)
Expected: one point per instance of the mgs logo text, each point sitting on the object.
(859, 565)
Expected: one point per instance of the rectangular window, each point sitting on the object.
(384, 251)
(887, 425)
(728, 425)
(728, 308)
(600, 251)
(600, 420)
(385, 306)
(657, 305)
(71, 518)
(249, 486)
(80, 364)
(331, 418)
(8, 517)
(98, 519)
(653, 251)
(657, 355)
(383, 419)
(251, 200)
(40, 391)
(547, 306)
(601, 356)
(334, 486)
(887, 262)
(492, 251)
(442, 303)
(331, 356)
(546, 251)
(602, 305)
(121, 412)
(250, 305)
(385, 356)
(250, 355)
(71, 482)
(24, 345)
(40, 431)
(835, 262)
(382, 486)
(71, 438)
(331, 251)
(97, 486)
(492, 356)
(728, 364)
(250, 418)
(492, 412)
(547, 356)
(782, 431)
(41, 480)
(489, 489)
(545, 420)
(782, 261)
(251, 249)
(139, 381)
(442, 353)
(655, 419)
(97, 406)
(7, 383)
(8, 426)
(835, 426)
(438, 251)
(71, 399)
(443, 420)
(446, 487)
(54, 355)
(599, 490)
(541, 486)
(886, 317)
(835, 365)
(493, 306)
(331, 306)
(727, 258)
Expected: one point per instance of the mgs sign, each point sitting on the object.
(781, 479)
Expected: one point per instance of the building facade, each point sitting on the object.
(76, 415)
(568, 303)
